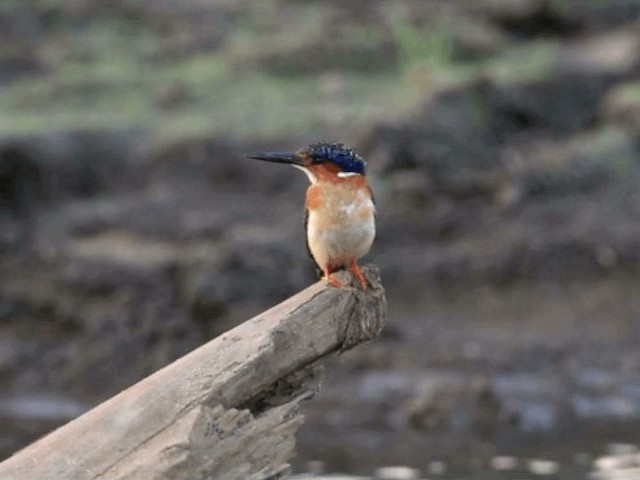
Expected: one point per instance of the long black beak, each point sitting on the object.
(278, 157)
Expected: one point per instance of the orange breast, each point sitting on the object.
(336, 201)
(314, 197)
(336, 204)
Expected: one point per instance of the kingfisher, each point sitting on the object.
(339, 220)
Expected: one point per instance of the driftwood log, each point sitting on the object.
(228, 410)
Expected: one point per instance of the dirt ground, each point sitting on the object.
(503, 146)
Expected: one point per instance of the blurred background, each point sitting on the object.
(503, 141)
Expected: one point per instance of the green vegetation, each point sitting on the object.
(630, 91)
(431, 54)
(533, 61)
(115, 72)
(415, 47)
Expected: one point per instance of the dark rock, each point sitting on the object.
(204, 159)
(178, 213)
(89, 162)
(12, 68)
(22, 182)
(540, 20)
(530, 18)
(591, 16)
(62, 165)
(580, 176)
(11, 308)
(208, 300)
(247, 273)
(103, 276)
(446, 138)
(621, 107)
(559, 106)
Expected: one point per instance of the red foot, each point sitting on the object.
(328, 276)
(333, 281)
(356, 272)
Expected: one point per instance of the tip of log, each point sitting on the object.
(228, 409)
(369, 309)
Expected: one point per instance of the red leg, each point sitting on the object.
(356, 272)
(331, 280)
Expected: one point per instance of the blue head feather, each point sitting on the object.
(337, 153)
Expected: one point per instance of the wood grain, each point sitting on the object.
(227, 410)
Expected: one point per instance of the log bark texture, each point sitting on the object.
(228, 410)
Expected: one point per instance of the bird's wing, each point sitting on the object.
(306, 239)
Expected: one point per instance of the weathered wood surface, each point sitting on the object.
(227, 410)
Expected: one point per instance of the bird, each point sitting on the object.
(340, 210)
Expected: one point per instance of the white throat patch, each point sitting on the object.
(312, 177)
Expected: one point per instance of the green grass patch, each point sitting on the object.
(630, 91)
(427, 57)
(534, 60)
(112, 74)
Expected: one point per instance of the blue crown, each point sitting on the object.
(337, 153)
